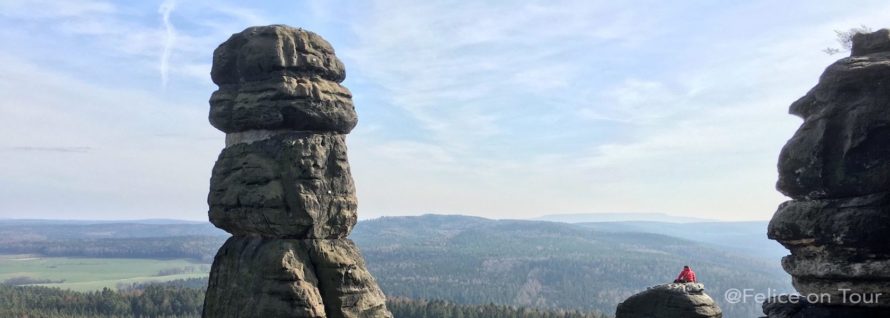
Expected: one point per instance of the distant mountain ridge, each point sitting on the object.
(473, 260)
(37, 230)
(619, 217)
(86, 222)
(747, 236)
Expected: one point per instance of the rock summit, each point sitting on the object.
(282, 186)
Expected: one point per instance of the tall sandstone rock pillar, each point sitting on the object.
(282, 185)
(836, 169)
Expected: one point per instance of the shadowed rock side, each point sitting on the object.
(790, 306)
(670, 301)
(836, 169)
(347, 287)
(257, 277)
(282, 185)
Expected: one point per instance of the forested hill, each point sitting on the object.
(43, 230)
(462, 259)
(532, 263)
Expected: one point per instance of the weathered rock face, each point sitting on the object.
(278, 77)
(670, 301)
(282, 185)
(840, 149)
(256, 277)
(836, 169)
(790, 306)
(294, 185)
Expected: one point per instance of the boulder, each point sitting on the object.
(868, 43)
(279, 77)
(670, 301)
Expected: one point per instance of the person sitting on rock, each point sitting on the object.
(686, 276)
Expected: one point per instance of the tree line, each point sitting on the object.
(408, 308)
(152, 301)
(178, 299)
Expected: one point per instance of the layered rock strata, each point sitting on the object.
(670, 301)
(282, 186)
(836, 170)
(794, 306)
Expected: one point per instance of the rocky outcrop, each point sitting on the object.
(292, 184)
(793, 306)
(282, 185)
(278, 77)
(836, 169)
(670, 301)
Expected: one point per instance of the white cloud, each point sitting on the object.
(498, 109)
(169, 39)
(692, 135)
(95, 151)
(124, 33)
(434, 59)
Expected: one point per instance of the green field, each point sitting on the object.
(85, 274)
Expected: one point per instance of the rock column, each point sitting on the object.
(836, 169)
(282, 186)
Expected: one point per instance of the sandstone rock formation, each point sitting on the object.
(670, 301)
(836, 169)
(793, 306)
(282, 185)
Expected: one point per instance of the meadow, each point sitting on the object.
(88, 274)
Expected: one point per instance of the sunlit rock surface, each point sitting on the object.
(282, 186)
(670, 301)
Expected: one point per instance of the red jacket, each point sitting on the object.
(687, 275)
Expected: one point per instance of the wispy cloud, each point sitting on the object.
(494, 108)
(95, 146)
(467, 75)
(593, 106)
(148, 42)
(169, 39)
(79, 80)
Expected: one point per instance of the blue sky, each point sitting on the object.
(502, 109)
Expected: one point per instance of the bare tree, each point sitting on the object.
(845, 39)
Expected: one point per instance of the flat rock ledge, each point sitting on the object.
(687, 300)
